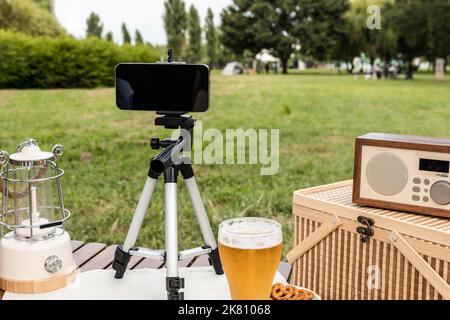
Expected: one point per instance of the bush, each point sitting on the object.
(63, 62)
(29, 17)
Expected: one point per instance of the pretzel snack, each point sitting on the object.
(288, 292)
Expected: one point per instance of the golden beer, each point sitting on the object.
(250, 250)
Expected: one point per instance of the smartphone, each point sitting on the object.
(164, 87)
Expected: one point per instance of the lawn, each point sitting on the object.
(319, 116)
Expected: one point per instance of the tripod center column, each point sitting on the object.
(171, 234)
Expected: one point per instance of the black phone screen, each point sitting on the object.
(162, 87)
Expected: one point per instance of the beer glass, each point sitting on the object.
(250, 250)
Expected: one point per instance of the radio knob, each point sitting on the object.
(440, 192)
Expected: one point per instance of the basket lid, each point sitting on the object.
(337, 199)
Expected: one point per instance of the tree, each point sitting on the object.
(125, 34)
(409, 21)
(211, 38)
(45, 4)
(94, 26)
(409, 28)
(255, 25)
(109, 36)
(194, 53)
(422, 29)
(175, 25)
(438, 17)
(223, 54)
(355, 36)
(28, 17)
(318, 24)
(138, 39)
(348, 43)
(279, 25)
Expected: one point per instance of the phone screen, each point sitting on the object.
(162, 87)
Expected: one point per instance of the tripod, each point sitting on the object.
(169, 163)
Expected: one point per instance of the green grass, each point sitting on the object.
(319, 116)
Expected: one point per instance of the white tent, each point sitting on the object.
(233, 68)
(265, 57)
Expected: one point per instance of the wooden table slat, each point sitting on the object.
(185, 263)
(101, 261)
(87, 252)
(131, 265)
(149, 263)
(134, 261)
(76, 245)
(201, 261)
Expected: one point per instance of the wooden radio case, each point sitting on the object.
(406, 173)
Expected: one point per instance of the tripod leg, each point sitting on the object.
(122, 256)
(202, 217)
(173, 281)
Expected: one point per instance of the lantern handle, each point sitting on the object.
(28, 142)
(58, 150)
(4, 157)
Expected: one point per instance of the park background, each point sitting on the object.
(58, 88)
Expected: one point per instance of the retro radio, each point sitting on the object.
(406, 173)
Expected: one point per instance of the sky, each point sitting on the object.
(145, 15)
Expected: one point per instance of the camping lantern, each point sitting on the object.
(35, 250)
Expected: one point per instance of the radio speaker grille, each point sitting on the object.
(386, 174)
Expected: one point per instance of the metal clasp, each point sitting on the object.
(4, 157)
(366, 232)
(58, 150)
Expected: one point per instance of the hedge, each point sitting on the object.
(63, 62)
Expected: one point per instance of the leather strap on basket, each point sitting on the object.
(314, 238)
(438, 283)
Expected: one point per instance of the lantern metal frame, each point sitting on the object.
(6, 179)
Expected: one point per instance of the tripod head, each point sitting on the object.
(172, 147)
(172, 120)
(175, 120)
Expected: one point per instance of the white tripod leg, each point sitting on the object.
(171, 229)
(122, 255)
(203, 221)
(139, 213)
(173, 282)
(200, 212)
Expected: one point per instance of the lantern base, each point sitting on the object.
(36, 266)
(37, 286)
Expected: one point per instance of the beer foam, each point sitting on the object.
(250, 233)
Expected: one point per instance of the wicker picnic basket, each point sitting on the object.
(346, 252)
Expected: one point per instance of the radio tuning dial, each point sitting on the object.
(440, 192)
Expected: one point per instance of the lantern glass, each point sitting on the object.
(34, 199)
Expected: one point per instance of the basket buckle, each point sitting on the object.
(366, 232)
